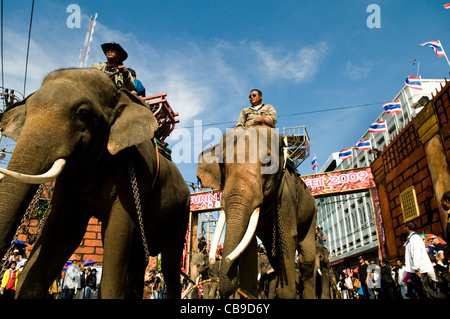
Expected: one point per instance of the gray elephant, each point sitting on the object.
(199, 265)
(323, 271)
(93, 132)
(260, 196)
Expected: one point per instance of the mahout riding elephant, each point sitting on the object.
(260, 196)
(323, 271)
(93, 131)
(199, 265)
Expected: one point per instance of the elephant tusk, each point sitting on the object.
(215, 242)
(50, 175)
(247, 237)
(1, 177)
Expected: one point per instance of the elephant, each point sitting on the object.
(262, 196)
(199, 265)
(323, 270)
(97, 136)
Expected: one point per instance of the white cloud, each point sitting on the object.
(358, 71)
(291, 65)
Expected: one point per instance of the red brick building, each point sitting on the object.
(412, 173)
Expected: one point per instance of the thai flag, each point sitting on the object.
(392, 107)
(199, 184)
(447, 6)
(346, 153)
(413, 82)
(378, 127)
(437, 47)
(314, 163)
(363, 145)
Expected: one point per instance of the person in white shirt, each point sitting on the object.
(417, 262)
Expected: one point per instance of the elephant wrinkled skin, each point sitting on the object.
(248, 166)
(80, 116)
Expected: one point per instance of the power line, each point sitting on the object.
(299, 113)
(28, 49)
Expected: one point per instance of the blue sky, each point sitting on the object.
(207, 55)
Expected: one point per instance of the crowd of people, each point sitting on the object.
(155, 286)
(423, 274)
(76, 281)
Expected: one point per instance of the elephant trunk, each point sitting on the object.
(15, 198)
(30, 157)
(239, 212)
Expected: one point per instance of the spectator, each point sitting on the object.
(362, 272)
(9, 281)
(157, 287)
(445, 203)
(401, 278)
(418, 263)
(438, 250)
(257, 114)
(342, 287)
(372, 279)
(349, 285)
(387, 282)
(71, 280)
(91, 284)
(374, 284)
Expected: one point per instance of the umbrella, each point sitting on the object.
(67, 264)
(89, 262)
(441, 241)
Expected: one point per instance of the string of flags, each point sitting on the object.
(413, 82)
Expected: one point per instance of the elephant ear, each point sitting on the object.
(209, 172)
(13, 118)
(133, 123)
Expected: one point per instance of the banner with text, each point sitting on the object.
(348, 180)
(206, 201)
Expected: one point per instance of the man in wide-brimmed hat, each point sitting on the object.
(114, 67)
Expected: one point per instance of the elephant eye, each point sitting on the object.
(83, 113)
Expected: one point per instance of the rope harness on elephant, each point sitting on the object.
(137, 200)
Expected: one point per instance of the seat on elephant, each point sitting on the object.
(164, 114)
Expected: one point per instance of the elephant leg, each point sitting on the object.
(273, 283)
(60, 237)
(212, 289)
(307, 261)
(248, 269)
(123, 257)
(170, 264)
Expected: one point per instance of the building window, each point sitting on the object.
(408, 201)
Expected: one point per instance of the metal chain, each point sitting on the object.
(278, 233)
(137, 201)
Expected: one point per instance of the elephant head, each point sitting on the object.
(246, 166)
(198, 265)
(78, 119)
